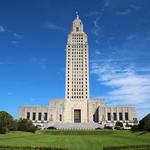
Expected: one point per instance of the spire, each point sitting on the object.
(77, 24)
(77, 15)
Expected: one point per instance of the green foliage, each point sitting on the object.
(134, 128)
(3, 130)
(130, 147)
(118, 123)
(144, 124)
(29, 148)
(5, 121)
(25, 125)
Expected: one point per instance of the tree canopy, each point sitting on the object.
(144, 124)
(5, 119)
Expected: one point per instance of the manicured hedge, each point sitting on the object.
(130, 147)
(28, 148)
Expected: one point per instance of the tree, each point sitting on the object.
(5, 121)
(118, 123)
(144, 124)
(25, 125)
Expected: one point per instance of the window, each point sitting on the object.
(115, 116)
(126, 116)
(45, 116)
(77, 29)
(60, 117)
(34, 116)
(28, 115)
(120, 116)
(40, 116)
(109, 116)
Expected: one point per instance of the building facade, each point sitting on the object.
(77, 107)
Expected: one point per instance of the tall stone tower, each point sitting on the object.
(77, 73)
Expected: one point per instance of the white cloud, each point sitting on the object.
(2, 29)
(123, 13)
(136, 7)
(14, 42)
(19, 36)
(131, 36)
(107, 3)
(54, 27)
(41, 62)
(147, 38)
(128, 87)
(97, 52)
(97, 29)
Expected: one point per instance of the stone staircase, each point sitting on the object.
(75, 126)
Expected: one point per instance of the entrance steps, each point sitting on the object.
(76, 126)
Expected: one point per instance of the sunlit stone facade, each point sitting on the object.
(77, 107)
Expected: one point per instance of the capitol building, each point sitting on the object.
(77, 109)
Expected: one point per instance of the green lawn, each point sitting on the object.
(76, 140)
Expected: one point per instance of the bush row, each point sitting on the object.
(130, 147)
(28, 148)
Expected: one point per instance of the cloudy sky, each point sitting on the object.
(33, 36)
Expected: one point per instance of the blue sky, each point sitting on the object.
(33, 37)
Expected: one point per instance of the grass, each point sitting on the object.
(76, 140)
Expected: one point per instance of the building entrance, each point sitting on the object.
(77, 116)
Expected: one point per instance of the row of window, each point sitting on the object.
(77, 41)
(77, 56)
(113, 116)
(76, 97)
(78, 61)
(77, 93)
(77, 34)
(78, 45)
(41, 116)
(77, 79)
(77, 37)
(77, 52)
(73, 45)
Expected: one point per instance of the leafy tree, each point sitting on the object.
(25, 125)
(144, 124)
(5, 119)
(118, 123)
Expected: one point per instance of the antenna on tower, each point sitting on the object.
(77, 14)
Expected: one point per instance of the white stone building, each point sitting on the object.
(77, 110)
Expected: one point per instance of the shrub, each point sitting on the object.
(118, 123)
(134, 128)
(25, 125)
(117, 128)
(108, 127)
(3, 130)
(52, 128)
